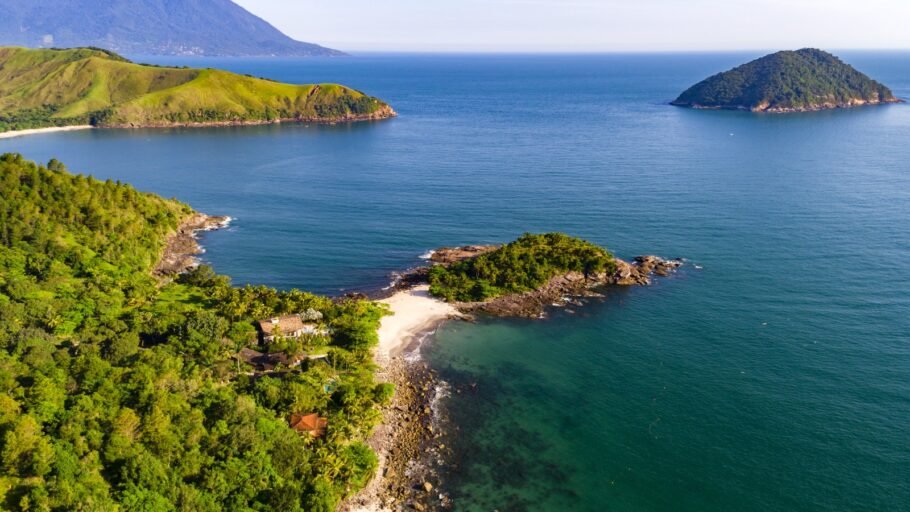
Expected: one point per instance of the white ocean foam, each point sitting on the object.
(427, 255)
(221, 225)
(396, 278)
(443, 390)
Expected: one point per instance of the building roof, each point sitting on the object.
(284, 324)
(311, 424)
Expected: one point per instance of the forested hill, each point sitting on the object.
(148, 27)
(788, 81)
(45, 88)
(118, 392)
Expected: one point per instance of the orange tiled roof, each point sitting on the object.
(311, 424)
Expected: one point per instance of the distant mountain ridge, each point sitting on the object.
(788, 81)
(148, 27)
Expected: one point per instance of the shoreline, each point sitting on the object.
(409, 441)
(181, 251)
(38, 131)
(379, 115)
(406, 438)
(823, 107)
(415, 314)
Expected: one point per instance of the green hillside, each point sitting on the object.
(118, 393)
(788, 81)
(43, 88)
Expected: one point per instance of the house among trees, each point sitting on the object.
(291, 326)
(311, 424)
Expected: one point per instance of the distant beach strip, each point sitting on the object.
(38, 131)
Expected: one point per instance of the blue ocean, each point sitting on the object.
(772, 373)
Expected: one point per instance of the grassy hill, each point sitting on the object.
(120, 393)
(41, 88)
(788, 81)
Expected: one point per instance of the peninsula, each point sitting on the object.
(125, 388)
(788, 81)
(89, 86)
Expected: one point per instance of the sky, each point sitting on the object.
(590, 25)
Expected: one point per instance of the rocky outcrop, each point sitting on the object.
(182, 247)
(638, 273)
(449, 255)
(566, 288)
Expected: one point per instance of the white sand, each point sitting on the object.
(415, 313)
(35, 131)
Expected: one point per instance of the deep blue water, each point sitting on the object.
(776, 377)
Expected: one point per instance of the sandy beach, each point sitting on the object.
(35, 131)
(414, 314)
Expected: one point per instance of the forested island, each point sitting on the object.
(788, 81)
(90, 86)
(120, 390)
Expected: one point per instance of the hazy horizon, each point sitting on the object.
(590, 26)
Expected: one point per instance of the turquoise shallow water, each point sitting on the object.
(777, 377)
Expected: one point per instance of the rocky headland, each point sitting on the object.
(182, 248)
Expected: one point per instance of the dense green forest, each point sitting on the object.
(802, 79)
(118, 392)
(521, 266)
(80, 86)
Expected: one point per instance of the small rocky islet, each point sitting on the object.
(562, 287)
(788, 81)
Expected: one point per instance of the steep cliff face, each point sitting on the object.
(789, 81)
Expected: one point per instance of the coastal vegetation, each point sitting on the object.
(520, 266)
(90, 86)
(119, 391)
(787, 81)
